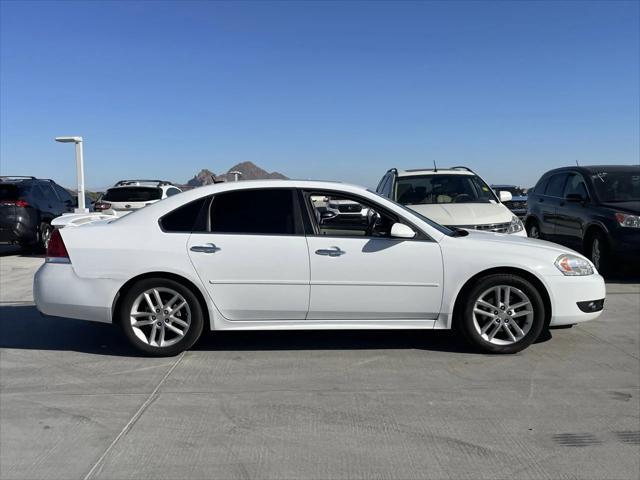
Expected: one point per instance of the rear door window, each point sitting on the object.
(260, 211)
(132, 194)
(555, 186)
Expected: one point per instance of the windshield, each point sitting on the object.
(132, 194)
(437, 226)
(618, 186)
(442, 188)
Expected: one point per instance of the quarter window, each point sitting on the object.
(172, 191)
(260, 211)
(187, 218)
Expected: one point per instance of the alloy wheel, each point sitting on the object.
(160, 317)
(503, 315)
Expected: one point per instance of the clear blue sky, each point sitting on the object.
(330, 90)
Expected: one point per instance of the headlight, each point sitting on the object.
(516, 225)
(573, 265)
(625, 220)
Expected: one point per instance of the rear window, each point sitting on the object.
(9, 192)
(132, 194)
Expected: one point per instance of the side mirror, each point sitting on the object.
(574, 198)
(505, 196)
(400, 230)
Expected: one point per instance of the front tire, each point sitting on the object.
(501, 313)
(161, 317)
(533, 230)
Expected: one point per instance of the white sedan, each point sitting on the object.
(256, 255)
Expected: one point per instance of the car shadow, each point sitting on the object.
(23, 327)
(7, 250)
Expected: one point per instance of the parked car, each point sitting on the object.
(595, 210)
(128, 195)
(256, 256)
(454, 197)
(27, 206)
(518, 202)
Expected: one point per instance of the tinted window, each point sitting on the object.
(541, 185)
(132, 194)
(556, 185)
(48, 193)
(386, 189)
(430, 189)
(268, 211)
(62, 193)
(172, 191)
(187, 218)
(575, 185)
(9, 192)
(618, 186)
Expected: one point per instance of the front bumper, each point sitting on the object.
(59, 292)
(567, 292)
(625, 243)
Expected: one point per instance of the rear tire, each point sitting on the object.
(44, 235)
(501, 313)
(161, 317)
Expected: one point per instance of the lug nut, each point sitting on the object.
(153, 318)
(166, 320)
(157, 310)
(498, 321)
(509, 312)
(506, 320)
(496, 312)
(502, 307)
(166, 311)
(159, 324)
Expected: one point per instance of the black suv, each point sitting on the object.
(595, 210)
(27, 206)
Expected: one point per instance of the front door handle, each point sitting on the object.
(207, 248)
(331, 252)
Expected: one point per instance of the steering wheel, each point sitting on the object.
(463, 197)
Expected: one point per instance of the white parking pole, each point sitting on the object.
(80, 171)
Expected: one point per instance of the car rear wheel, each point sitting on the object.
(161, 317)
(502, 313)
(45, 235)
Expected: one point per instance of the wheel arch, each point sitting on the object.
(590, 231)
(535, 281)
(166, 275)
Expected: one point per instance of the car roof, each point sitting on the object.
(430, 171)
(589, 169)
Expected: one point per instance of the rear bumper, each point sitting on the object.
(59, 292)
(567, 292)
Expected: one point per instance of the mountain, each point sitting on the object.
(249, 171)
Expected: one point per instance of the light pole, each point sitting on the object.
(79, 169)
(236, 175)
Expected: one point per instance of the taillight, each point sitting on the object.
(56, 251)
(100, 206)
(17, 203)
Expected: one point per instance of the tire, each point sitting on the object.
(599, 252)
(156, 332)
(44, 235)
(511, 330)
(533, 230)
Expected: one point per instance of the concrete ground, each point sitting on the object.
(77, 402)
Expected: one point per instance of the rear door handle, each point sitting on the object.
(207, 248)
(330, 252)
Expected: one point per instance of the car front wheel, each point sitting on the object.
(502, 313)
(161, 317)
(598, 250)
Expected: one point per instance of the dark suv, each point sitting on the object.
(592, 209)
(27, 206)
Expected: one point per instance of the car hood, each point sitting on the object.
(627, 207)
(459, 214)
(511, 241)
